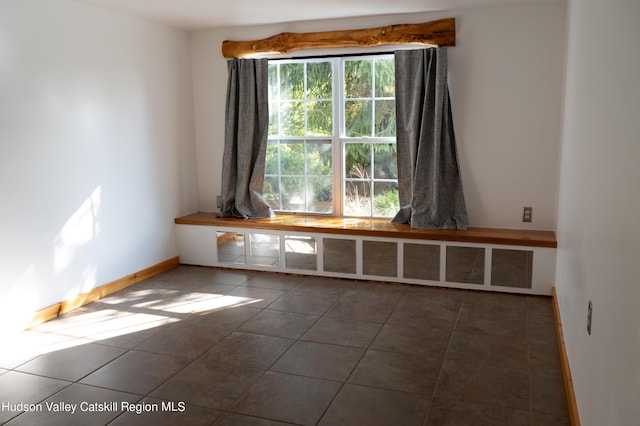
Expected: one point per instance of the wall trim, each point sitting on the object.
(564, 361)
(65, 306)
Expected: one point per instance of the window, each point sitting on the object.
(332, 132)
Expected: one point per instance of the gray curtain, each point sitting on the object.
(429, 183)
(245, 145)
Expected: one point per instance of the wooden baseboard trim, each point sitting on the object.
(60, 308)
(564, 361)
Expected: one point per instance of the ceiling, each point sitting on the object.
(198, 14)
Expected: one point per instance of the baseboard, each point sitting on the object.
(564, 361)
(60, 308)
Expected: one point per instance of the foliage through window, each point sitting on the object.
(332, 133)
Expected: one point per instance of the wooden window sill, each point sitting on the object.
(372, 227)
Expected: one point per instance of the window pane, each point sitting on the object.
(271, 163)
(273, 82)
(319, 158)
(385, 78)
(385, 118)
(292, 81)
(292, 158)
(357, 79)
(385, 161)
(320, 118)
(319, 80)
(385, 202)
(271, 191)
(273, 118)
(357, 198)
(299, 166)
(293, 194)
(358, 160)
(357, 117)
(292, 118)
(319, 195)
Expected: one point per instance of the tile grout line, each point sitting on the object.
(444, 358)
(199, 357)
(364, 352)
(242, 394)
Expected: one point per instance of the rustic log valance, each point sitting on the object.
(435, 33)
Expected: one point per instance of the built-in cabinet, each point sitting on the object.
(507, 268)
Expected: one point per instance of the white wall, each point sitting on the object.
(598, 231)
(97, 149)
(506, 76)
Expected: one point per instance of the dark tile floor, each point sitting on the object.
(202, 346)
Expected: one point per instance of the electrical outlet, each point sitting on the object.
(527, 214)
(219, 201)
(589, 315)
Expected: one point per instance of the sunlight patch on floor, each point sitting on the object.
(125, 313)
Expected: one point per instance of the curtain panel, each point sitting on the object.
(246, 132)
(429, 182)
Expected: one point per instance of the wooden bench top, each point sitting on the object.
(376, 228)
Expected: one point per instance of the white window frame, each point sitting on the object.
(339, 139)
